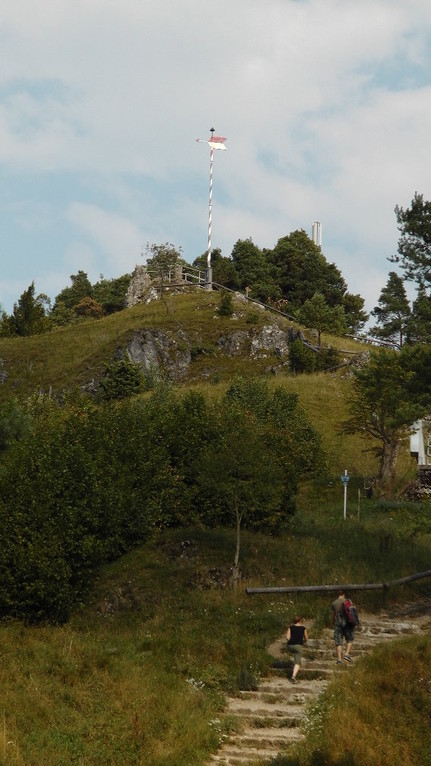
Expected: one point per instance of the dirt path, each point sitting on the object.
(270, 718)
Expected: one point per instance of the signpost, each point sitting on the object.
(345, 481)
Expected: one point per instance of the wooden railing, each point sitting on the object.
(345, 586)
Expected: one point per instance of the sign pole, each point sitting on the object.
(345, 480)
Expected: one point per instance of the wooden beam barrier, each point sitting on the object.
(347, 587)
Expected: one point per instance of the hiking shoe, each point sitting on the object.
(347, 658)
(293, 680)
(339, 662)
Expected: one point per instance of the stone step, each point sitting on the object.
(271, 717)
(235, 756)
(261, 707)
(272, 737)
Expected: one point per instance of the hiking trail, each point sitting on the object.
(270, 718)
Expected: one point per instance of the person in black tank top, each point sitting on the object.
(296, 637)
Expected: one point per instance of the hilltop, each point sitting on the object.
(186, 340)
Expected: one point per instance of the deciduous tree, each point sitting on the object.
(388, 395)
(318, 315)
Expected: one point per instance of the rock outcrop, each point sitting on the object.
(170, 354)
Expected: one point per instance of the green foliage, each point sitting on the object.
(89, 309)
(414, 244)
(120, 379)
(80, 288)
(317, 314)
(253, 269)
(14, 423)
(356, 317)
(61, 315)
(111, 293)
(419, 323)
(162, 260)
(327, 359)
(84, 483)
(250, 468)
(393, 312)
(389, 394)
(302, 270)
(301, 358)
(29, 315)
(226, 307)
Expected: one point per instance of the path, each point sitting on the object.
(270, 718)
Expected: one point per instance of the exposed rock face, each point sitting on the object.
(234, 343)
(272, 339)
(138, 287)
(158, 351)
(155, 350)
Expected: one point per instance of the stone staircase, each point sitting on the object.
(269, 719)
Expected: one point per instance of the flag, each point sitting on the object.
(217, 142)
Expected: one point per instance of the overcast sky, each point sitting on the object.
(326, 105)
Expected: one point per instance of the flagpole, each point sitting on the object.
(208, 271)
(215, 142)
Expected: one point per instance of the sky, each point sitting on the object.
(326, 106)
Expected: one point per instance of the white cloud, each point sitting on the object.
(326, 107)
(116, 236)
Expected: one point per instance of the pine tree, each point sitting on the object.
(419, 323)
(393, 312)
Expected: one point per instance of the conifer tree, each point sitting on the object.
(393, 311)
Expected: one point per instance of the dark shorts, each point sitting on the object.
(346, 632)
(296, 650)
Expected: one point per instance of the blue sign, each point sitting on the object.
(345, 479)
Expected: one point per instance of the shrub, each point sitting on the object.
(301, 358)
(121, 379)
(226, 308)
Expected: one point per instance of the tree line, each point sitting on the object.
(294, 272)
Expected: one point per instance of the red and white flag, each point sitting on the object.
(214, 142)
(217, 142)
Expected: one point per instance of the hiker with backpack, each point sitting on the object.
(296, 637)
(345, 620)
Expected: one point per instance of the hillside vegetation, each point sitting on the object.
(137, 674)
(75, 355)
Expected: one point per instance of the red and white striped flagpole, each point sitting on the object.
(215, 142)
(208, 272)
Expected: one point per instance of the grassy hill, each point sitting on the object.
(76, 354)
(138, 675)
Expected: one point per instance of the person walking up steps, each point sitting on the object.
(296, 637)
(343, 631)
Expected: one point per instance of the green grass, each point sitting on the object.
(139, 674)
(74, 355)
(377, 714)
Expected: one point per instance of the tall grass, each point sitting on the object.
(139, 674)
(377, 714)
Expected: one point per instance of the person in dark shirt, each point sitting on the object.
(342, 631)
(296, 637)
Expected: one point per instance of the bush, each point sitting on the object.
(226, 308)
(301, 358)
(121, 379)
